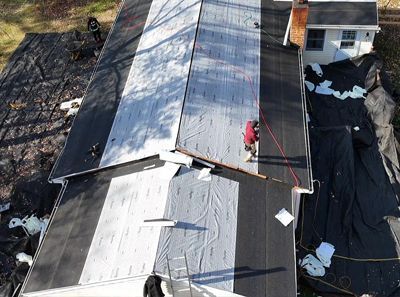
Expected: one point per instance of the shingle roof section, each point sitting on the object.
(343, 13)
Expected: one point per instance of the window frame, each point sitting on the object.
(315, 39)
(348, 39)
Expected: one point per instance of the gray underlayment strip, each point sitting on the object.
(223, 87)
(206, 212)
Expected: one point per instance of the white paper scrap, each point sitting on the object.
(310, 86)
(326, 84)
(317, 69)
(176, 158)
(324, 91)
(22, 257)
(313, 266)
(325, 252)
(284, 217)
(342, 96)
(65, 106)
(205, 174)
(169, 170)
(358, 92)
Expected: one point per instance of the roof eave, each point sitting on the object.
(356, 27)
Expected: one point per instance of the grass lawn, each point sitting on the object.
(18, 17)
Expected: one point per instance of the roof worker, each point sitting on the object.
(250, 139)
(94, 27)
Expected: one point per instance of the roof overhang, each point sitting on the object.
(341, 27)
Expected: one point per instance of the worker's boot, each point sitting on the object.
(249, 157)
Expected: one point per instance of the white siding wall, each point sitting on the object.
(366, 44)
(327, 55)
(331, 51)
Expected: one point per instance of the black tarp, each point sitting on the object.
(355, 194)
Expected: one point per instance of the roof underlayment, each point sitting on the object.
(120, 239)
(223, 87)
(148, 115)
(96, 115)
(231, 241)
(198, 73)
(123, 247)
(207, 232)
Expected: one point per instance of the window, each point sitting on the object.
(348, 39)
(315, 40)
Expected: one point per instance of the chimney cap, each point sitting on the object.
(300, 3)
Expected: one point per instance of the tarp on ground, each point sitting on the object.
(148, 115)
(353, 151)
(224, 83)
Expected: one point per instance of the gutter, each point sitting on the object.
(52, 215)
(359, 27)
(310, 189)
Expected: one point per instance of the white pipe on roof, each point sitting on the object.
(286, 38)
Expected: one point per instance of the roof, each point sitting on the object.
(203, 107)
(184, 82)
(258, 249)
(281, 101)
(335, 13)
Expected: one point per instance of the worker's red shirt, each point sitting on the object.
(251, 136)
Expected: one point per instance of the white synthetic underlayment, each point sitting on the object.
(121, 246)
(220, 100)
(206, 212)
(206, 215)
(148, 116)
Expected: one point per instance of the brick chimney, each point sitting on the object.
(299, 22)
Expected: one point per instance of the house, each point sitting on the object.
(182, 77)
(334, 30)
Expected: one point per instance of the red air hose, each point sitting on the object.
(295, 178)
